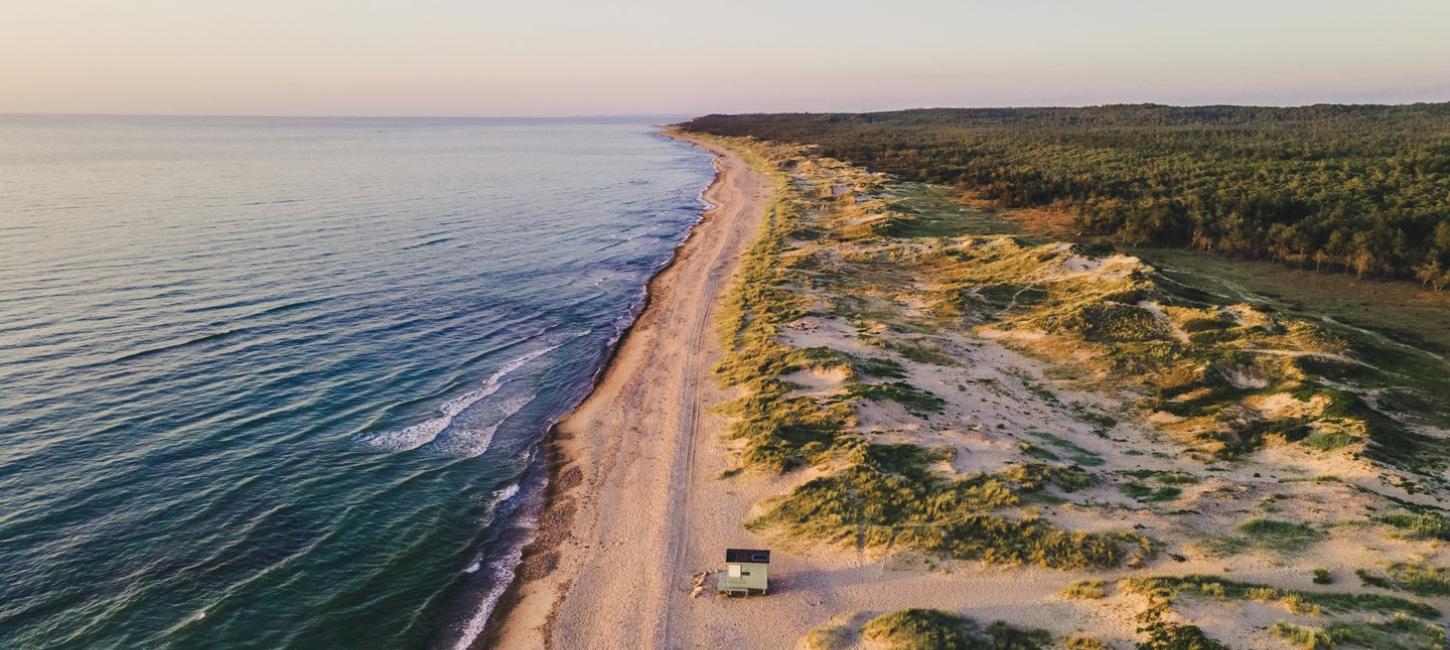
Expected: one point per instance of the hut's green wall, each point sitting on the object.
(759, 573)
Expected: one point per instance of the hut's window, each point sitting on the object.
(734, 571)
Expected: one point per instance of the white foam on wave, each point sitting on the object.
(470, 441)
(417, 435)
(500, 497)
(504, 566)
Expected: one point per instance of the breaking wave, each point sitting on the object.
(422, 433)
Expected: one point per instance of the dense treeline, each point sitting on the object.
(1359, 189)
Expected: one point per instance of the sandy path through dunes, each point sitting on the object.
(607, 564)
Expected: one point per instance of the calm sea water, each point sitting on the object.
(281, 382)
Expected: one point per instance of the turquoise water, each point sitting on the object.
(281, 382)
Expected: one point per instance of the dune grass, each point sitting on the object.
(831, 636)
(1415, 578)
(1165, 589)
(890, 495)
(1397, 633)
(914, 399)
(1086, 590)
(1282, 536)
(1150, 493)
(824, 357)
(872, 495)
(1425, 525)
(780, 431)
(1083, 642)
(1074, 452)
(934, 629)
(920, 350)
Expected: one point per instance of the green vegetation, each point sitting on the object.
(1398, 633)
(1387, 313)
(1080, 642)
(780, 431)
(1165, 477)
(823, 357)
(920, 351)
(874, 495)
(1425, 525)
(1222, 372)
(1221, 545)
(1401, 630)
(1228, 377)
(832, 636)
(1308, 638)
(1417, 579)
(1149, 493)
(1362, 189)
(1086, 590)
(1277, 535)
(1165, 635)
(933, 629)
(1371, 580)
(1075, 452)
(914, 399)
(889, 495)
(1164, 589)
(1263, 534)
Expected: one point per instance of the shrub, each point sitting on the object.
(890, 495)
(1166, 588)
(832, 636)
(1417, 579)
(1279, 535)
(1308, 638)
(911, 397)
(1426, 525)
(1163, 635)
(933, 629)
(921, 351)
(1086, 590)
(1398, 633)
(1080, 642)
(1151, 494)
(923, 629)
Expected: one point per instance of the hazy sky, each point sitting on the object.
(576, 57)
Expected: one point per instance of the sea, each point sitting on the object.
(283, 382)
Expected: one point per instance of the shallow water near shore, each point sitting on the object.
(281, 382)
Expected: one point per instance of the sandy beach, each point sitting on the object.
(647, 491)
(637, 510)
(611, 559)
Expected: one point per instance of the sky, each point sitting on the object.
(674, 57)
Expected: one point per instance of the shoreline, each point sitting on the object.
(525, 614)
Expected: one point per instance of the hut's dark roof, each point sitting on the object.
(759, 556)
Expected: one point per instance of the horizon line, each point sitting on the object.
(673, 115)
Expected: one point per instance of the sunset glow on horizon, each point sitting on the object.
(455, 58)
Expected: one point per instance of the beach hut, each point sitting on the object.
(746, 571)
